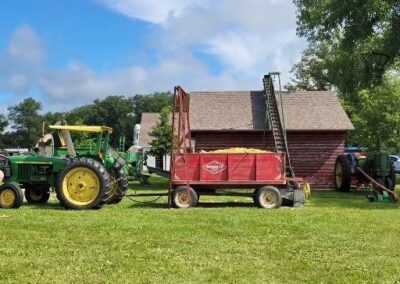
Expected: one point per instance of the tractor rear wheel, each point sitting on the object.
(391, 179)
(11, 196)
(119, 184)
(83, 184)
(342, 173)
(268, 197)
(184, 197)
(37, 195)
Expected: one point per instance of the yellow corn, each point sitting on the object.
(239, 150)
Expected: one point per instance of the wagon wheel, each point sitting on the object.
(83, 184)
(268, 197)
(342, 173)
(37, 195)
(184, 197)
(11, 196)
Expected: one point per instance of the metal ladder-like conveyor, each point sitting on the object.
(275, 122)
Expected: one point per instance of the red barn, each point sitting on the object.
(316, 127)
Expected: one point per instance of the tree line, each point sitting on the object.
(23, 124)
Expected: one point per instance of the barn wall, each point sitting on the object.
(312, 154)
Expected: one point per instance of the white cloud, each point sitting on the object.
(246, 39)
(153, 11)
(26, 45)
(21, 62)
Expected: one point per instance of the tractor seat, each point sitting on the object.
(45, 146)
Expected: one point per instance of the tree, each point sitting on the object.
(377, 115)
(82, 113)
(26, 121)
(150, 103)
(3, 122)
(3, 125)
(161, 132)
(365, 34)
(312, 73)
(116, 112)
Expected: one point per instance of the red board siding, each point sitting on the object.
(312, 154)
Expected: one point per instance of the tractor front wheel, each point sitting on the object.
(11, 196)
(37, 195)
(119, 184)
(184, 197)
(83, 184)
(342, 173)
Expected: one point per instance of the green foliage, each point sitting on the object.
(364, 33)
(113, 111)
(79, 114)
(161, 132)
(150, 103)
(3, 122)
(377, 113)
(3, 125)
(26, 121)
(311, 73)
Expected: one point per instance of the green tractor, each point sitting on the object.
(374, 170)
(133, 159)
(82, 177)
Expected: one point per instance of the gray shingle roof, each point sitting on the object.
(304, 110)
(149, 119)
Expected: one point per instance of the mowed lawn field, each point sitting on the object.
(337, 238)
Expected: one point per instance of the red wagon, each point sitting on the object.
(193, 174)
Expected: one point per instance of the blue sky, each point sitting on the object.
(69, 52)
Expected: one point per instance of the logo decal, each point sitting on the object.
(214, 167)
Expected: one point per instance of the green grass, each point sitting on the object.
(336, 238)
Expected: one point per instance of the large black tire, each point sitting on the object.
(391, 179)
(184, 197)
(119, 184)
(342, 173)
(37, 195)
(83, 184)
(11, 196)
(268, 197)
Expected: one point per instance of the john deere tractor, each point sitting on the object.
(83, 178)
(373, 170)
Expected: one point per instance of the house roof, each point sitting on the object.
(303, 111)
(149, 119)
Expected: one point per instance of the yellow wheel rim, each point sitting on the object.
(81, 186)
(338, 174)
(307, 189)
(184, 198)
(7, 198)
(269, 198)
